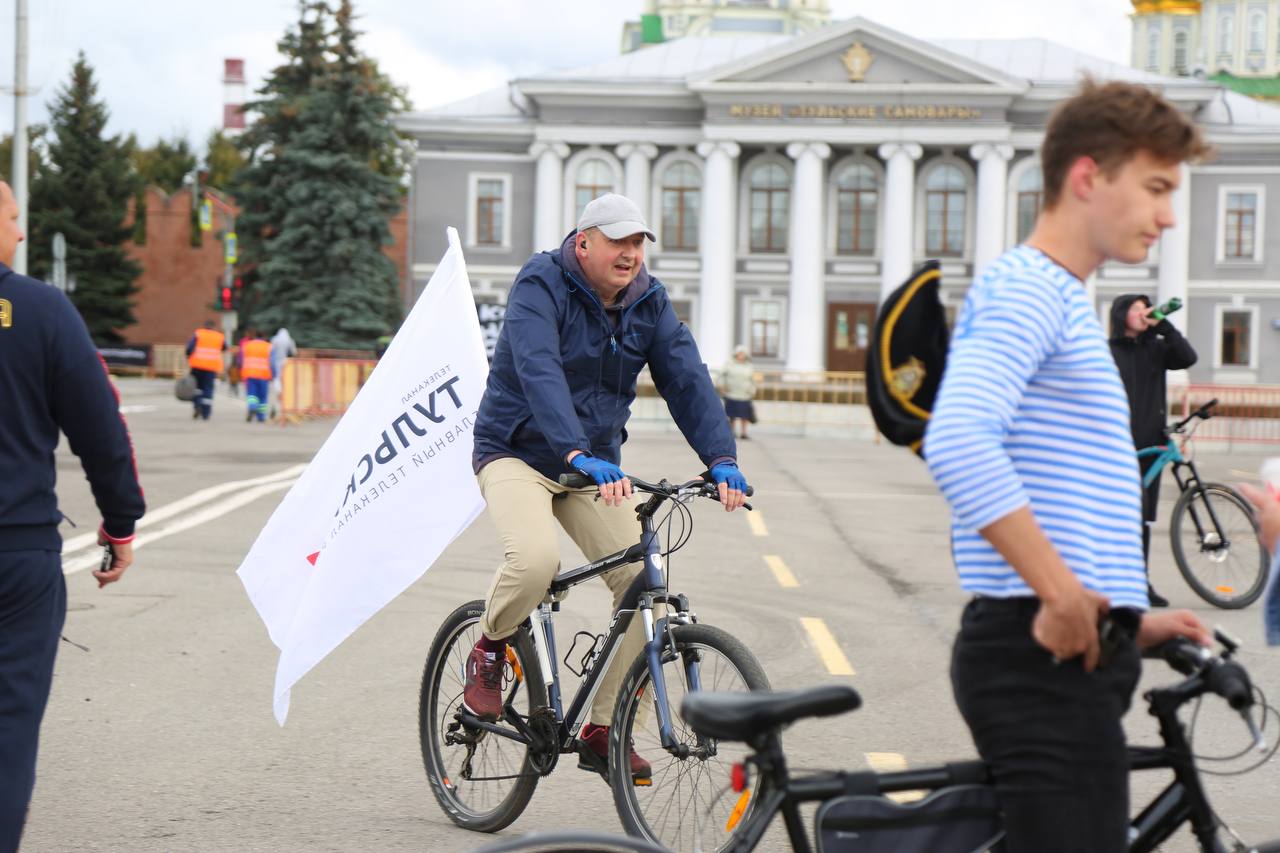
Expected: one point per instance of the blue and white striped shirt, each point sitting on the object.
(1032, 412)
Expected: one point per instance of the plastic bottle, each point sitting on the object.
(1270, 473)
(1162, 311)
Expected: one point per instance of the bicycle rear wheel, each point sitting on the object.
(690, 804)
(482, 780)
(1215, 544)
(574, 842)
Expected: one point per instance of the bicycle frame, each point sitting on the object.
(1171, 454)
(1183, 800)
(647, 590)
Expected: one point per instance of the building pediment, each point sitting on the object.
(853, 54)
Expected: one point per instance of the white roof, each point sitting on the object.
(672, 60)
(1241, 113)
(1040, 60)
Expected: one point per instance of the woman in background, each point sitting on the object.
(739, 389)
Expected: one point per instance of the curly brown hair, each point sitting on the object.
(1112, 122)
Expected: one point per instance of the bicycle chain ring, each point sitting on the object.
(542, 722)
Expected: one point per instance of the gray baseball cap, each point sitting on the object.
(616, 216)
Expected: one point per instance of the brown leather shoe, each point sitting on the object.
(593, 754)
(482, 692)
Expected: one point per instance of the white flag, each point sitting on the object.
(386, 494)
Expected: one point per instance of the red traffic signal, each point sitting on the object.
(226, 299)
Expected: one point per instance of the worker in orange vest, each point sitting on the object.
(256, 370)
(204, 355)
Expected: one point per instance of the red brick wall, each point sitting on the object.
(176, 288)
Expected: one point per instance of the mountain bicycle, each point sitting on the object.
(1212, 529)
(484, 773)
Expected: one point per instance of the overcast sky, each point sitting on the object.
(159, 62)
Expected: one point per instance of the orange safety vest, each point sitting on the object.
(256, 362)
(208, 352)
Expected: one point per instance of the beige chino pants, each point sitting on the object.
(524, 508)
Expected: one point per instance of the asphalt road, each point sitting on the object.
(160, 737)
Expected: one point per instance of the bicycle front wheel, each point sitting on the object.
(1215, 544)
(574, 842)
(482, 780)
(689, 803)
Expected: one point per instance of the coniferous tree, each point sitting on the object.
(316, 194)
(84, 192)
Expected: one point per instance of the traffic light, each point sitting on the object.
(226, 299)
(237, 295)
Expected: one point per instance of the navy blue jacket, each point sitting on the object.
(564, 371)
(51, 379)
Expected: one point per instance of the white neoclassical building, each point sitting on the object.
(795, 179)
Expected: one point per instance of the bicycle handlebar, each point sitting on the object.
(578, 480)
(1220, 676)
(1204, 413)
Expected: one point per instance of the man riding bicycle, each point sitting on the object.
(581, 322)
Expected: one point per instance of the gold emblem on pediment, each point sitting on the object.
(857, 60)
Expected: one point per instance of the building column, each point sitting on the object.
(549, 193)
(717, 241)
(899, 218)
(807, 301)
(1175, 251)
(636, 159)
(993, 173)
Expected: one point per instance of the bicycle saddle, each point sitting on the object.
(742, 716)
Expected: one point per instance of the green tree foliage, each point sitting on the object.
(322, 180)
(165, 165)
(222, 160)
(84, 193)
(36, 154)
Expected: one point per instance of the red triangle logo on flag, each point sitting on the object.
(311, 558)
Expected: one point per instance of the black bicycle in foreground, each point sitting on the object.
(960, 813)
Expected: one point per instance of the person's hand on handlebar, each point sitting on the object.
(613, 483)
(1157, 628)
(731, 484)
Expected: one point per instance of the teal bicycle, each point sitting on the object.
(1212, 529)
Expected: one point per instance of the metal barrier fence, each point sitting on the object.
(1245, 413)
(317, 387)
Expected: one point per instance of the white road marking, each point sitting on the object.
(209, 513)
(84, 540)
(129, 410)
(781, 571)
(893, 762)
(828, 648)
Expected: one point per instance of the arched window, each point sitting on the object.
(1030, 200)
(681, 205)
(1226, 32)
(946, 199)
(1257, 31)
(1153, 47)
(770, 208)
(594, 179)
(1180, 39)
(857, 201)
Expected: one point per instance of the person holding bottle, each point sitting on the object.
(1145, 345)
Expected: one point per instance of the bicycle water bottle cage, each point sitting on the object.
(584, 660)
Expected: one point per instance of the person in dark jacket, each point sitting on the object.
(581, 322)
(51, 379)
(1144, 348)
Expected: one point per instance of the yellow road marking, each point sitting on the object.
(780, 571)
(756, 520)
(892, 762)
(828, 648)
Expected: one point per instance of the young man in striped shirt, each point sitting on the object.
(1030, 443)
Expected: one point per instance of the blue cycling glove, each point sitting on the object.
(600, 470)
(729, 474)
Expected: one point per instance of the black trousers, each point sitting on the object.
(1051, 733)
(33, 606)
(204, 397)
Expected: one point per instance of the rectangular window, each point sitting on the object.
(856, 215)
(1028, 209)
(1235, 342)
(944, 222)
(1241, 224)
(766, 328)
(489, 212)
(680, 217)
